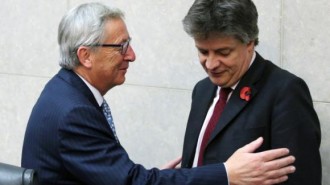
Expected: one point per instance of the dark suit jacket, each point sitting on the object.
(68, 142)
(280, 110)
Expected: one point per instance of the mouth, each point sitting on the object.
(216, 73)
(124, 67)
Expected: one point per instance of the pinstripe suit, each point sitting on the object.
(68, 141)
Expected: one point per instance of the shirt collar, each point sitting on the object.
(96, 93)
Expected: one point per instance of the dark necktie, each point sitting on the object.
(107, 114)
(219, 106)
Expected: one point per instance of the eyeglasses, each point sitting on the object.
(123, 46)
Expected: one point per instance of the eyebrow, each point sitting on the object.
(217, 50)
(223, 49)
(126, 39)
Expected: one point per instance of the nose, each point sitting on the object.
(211, 62)
(130, 54)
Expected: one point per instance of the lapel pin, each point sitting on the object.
(245, 93)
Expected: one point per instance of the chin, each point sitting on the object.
(217, 82)
(121, 81)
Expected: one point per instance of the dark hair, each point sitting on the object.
(238, 18)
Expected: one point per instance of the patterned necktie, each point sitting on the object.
(107, 114)
(219, 106)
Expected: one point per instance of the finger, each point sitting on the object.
(274, 154)
(281, 172)
(172, 164)
(280, 175)
(276, 180)
(279, 163)
(176, 161)
(251, 147)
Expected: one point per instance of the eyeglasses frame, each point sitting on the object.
(122, 46)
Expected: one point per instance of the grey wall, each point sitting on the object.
(151, 109)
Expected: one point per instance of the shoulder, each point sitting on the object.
(274, 74)
(282, 76)
(204, 83)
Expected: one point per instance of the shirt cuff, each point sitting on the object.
(224, 164)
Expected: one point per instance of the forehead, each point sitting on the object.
(116, 30)
(216, 41)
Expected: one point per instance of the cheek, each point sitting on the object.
(233, 62)
(111, 56)
(203, 63)
(237, 69)
(113, 61)
(201, 58)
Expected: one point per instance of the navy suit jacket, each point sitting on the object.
(68, 142)
(280, 110)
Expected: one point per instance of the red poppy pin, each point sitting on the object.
(245, 93)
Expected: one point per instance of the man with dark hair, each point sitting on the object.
(244, 95)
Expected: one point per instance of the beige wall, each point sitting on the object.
(151, 109)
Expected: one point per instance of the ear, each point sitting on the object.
(250, 46)
(84, 56)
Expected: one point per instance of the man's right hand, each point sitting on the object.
(264, 168)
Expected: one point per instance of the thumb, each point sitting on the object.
(251, 147)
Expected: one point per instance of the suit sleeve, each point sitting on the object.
(295, 125)
(91, 154)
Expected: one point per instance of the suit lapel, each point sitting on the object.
(198, 113)
(204, 104)
(235, 104)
